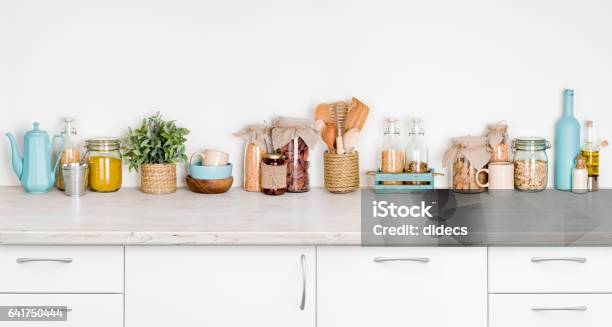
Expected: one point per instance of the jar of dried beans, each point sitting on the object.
(530, 164)
(465, 157)
(273, 174)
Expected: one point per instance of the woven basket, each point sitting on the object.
(341, 172)
(158, 178)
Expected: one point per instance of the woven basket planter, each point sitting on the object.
(158, 178)
(341, 172)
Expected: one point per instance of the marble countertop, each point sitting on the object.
(129, 217)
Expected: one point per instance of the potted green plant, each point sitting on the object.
(153, 149)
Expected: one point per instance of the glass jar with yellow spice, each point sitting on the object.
(104, 161)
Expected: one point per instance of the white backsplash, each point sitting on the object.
(215, 66)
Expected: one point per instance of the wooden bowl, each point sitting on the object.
(209, 186)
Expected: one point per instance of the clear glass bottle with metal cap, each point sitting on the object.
(71, 153)
(392, 152)
(530, 163)
(417, 153)
(105, 169)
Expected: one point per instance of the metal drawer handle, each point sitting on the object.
(416, 259)
(574, 259)
(24, 260)
(577, 308)
(303, 301)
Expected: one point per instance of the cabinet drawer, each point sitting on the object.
(550, 310)
(61, 269)
(416, 286)
(91, 310)
(550, 270)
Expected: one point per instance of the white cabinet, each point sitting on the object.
(220, 286)
(61, 269)
(417, 286)
(91, 310)
(550, 270)
(550, 310)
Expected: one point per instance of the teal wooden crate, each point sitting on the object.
(381, 188)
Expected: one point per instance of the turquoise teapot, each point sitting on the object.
(34, 169)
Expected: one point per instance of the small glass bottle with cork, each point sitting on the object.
(71, 153)
(392, 153)
(580, 176)
(417, 153)
(590, 152)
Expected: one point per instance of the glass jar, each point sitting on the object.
(71, 153)
(530, 164)
(296, 154)
(274, 174)
(466, 156)
(499, 142)
(392, 153)
(105, 167)
(253, 157)
(464, 176)
(417, 153)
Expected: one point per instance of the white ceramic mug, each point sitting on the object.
(213, 157)
(501, 176)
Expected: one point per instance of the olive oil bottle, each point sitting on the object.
(590, 151)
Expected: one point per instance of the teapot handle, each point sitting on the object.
(59, 155)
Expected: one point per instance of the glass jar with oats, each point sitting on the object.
(392, 152)
(530, 164)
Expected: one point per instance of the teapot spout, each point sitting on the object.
(17, 158)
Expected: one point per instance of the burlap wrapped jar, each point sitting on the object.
(465, 157)
(293, 138)
(498, 142)
(256, 138)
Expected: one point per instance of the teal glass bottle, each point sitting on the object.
(567, 143)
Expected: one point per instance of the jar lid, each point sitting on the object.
(531, 144)
(392, 126)
(416, 127)
(274, 156)
(103, 144)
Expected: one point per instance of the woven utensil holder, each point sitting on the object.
(158, 178)
(341, 172)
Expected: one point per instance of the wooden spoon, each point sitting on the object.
(324, 112)
(328, 134)
(357, 115)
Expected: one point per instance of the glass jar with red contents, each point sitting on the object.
(296, 153)
(274, 174)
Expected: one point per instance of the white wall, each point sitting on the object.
(217, 65)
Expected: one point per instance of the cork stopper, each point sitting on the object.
(589, 123)
(580, 162)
